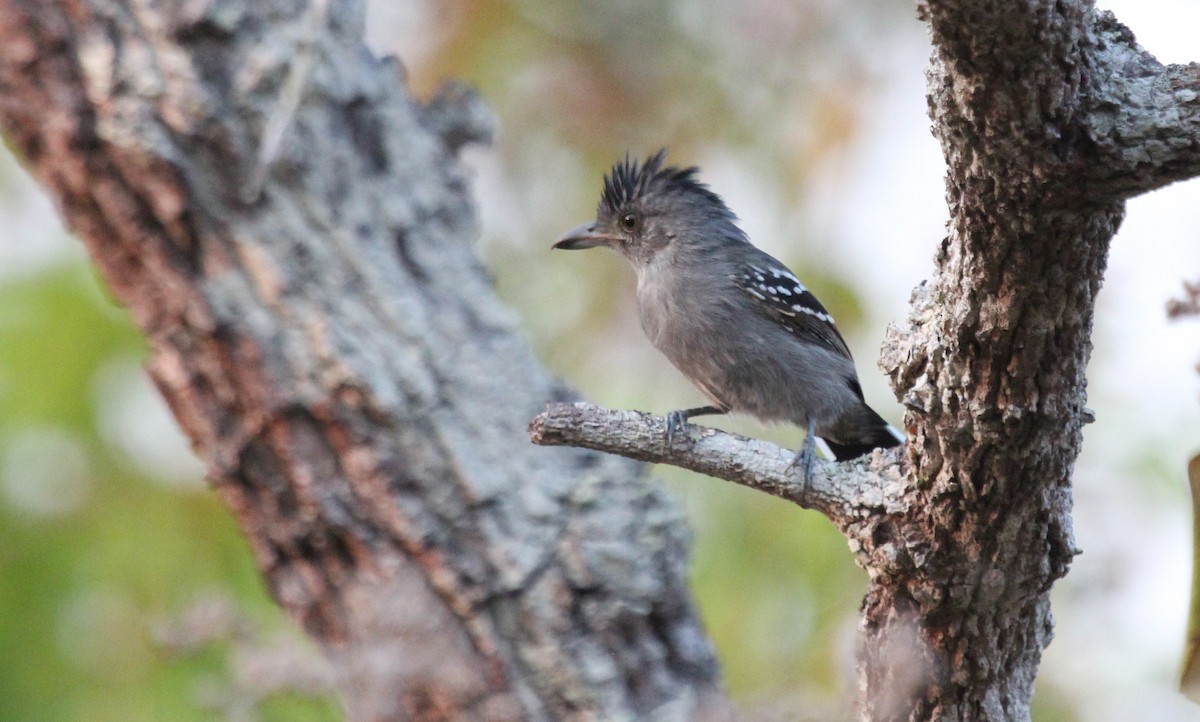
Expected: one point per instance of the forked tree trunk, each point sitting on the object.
(292, 233)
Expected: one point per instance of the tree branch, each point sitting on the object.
(1188, 304)
(1142, 116)
(837, 490)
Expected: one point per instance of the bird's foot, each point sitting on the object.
(676, 420)
(804, 459)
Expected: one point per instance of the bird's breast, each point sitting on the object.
(685, 325)
(669, 312)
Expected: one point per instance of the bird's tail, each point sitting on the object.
(875, 434)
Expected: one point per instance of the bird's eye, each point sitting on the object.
(629, 221)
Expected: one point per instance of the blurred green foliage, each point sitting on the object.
(94, 555)
(778, 590)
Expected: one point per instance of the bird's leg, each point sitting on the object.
(676, 420)
(808, 452)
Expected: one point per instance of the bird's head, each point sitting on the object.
(647, 209)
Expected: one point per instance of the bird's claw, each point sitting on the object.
(675, 423)
(804, 458)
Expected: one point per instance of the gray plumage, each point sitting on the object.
(733, 319)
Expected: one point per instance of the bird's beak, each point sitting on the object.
(585, 236)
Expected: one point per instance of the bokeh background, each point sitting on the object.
(127, 594)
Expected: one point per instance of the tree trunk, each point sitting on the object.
(322, 328)
(1049, 116)
(292, 233)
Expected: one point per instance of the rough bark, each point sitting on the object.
(1049, 116)
(839, 491)
(292, 233)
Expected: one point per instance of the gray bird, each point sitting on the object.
(735, 321)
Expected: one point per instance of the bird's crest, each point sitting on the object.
(628, 180)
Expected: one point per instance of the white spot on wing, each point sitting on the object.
(813, 312)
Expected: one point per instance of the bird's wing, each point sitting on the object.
(784, 298)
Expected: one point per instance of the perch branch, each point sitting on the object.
(837, 490)
(1143, 116)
